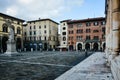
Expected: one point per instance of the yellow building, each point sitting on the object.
(41, 34)
(4, 31)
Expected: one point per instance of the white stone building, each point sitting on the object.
(63, 35)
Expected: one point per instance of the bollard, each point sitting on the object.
(31, 49)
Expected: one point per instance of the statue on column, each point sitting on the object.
(11, 33)
(11, 45)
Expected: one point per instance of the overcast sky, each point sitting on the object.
(57, 10)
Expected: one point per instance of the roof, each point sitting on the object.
(87, 20)
(5, 15)
(42, 20)
(66, 20)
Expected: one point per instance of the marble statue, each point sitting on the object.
(11, 34)
(11, 44)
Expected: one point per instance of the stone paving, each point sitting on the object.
(92, 68)
(38, 65)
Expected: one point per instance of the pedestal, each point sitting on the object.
(11, 48)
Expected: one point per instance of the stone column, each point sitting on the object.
(115, 27)
(1, 44)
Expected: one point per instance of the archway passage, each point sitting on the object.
(104, 46)
(18, 44)
(79, 46)
(45, 46)
(87, 46)
(4, 43)
(95, 46)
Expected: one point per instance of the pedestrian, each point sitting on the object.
(85, 53)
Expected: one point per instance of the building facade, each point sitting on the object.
(41, 34)
(112, 11)
(86, 34)
(4, 31)
(64, 35)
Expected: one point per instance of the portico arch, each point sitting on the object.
(95, 46)
(4, 43)
(79, 46)
(87, 46)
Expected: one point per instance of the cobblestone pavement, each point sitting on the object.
(38, 65)
(92, 68)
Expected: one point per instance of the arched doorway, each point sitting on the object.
(104, 46)
(87, 46)
(95, 46)
(18, 44)
(4, 43)
(79, 46)
(45, 46)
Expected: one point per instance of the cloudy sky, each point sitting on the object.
(57, 10)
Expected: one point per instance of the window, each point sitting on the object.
(64, 24)
(34, 38)
(40, 38)
(30, 38)
(103, 29)
(45, 31)
(71, 26)
(30, 27)
(88, 24)
(88, 30)
(64, 33)
(34, 32)
(18, 30)
(71, 32)
(18, 22)
(63, 42)
(79, 37)
(94, 31)
(64, 38)
(64, 28)
(88, 38)
(53, 38)
(96, 37)
(30, 32)
(79, 25)
(45, 38)
(25, 33)
(34, 27)
(54, 46)
(96, 23)
(103, 36)
(44, 26)
(79, 31)
(103, 23)
(39, 27)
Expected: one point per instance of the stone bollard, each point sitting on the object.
(53, 49)
(31, 49)
(25, 49)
